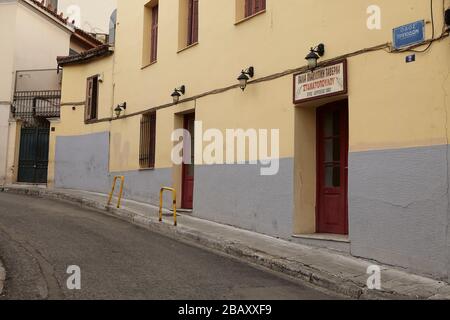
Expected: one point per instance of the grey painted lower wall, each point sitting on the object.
(398, 206)
(238, 195)
(232, 194)
(145, 185)
(82, 162)
(398, 199)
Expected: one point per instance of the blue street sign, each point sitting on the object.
(409, 34)
(411, 58)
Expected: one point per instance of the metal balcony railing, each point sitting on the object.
(33, 107)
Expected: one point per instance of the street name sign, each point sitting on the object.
(409, 34)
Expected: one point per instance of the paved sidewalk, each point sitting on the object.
(321, 267)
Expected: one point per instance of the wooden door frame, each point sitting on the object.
(319, 177)
(36, 161)
(186, 118)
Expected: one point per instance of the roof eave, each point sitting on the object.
(86, 57)
(49, 16)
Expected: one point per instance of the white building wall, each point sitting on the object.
(7, 36)
(30, 41)
(4, 115)
(39, 41)
(7, 19)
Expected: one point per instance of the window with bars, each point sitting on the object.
(91, 110)
(254, 6)
(148, 141)
(192, 36)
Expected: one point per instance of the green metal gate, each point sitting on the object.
(33, 156)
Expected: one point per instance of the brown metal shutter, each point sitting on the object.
(154, 35)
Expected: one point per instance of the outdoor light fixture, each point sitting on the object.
(119, 108)
(178, 93)
(245, 76)
(314, 55)
(447, 18)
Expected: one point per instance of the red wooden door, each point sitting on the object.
(332, 168)
(189, 168)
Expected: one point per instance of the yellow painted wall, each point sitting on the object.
(391, 104)
(74, 86)
(394, 104)
(267, 41)
(73, 97)
(387, 108)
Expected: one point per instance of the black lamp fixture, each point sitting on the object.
(315, 55)
(245, 76)
(447, 19)
(121, 107)
(178, 92)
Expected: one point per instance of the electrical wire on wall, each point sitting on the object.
(387, 47)
(433, 31)
(433, 39)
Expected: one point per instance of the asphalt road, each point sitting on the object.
(40, 239)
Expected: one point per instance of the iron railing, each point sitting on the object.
(34, 107)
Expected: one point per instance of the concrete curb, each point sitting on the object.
(350, 287)
(2, 277)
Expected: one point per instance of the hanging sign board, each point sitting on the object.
(323, 82)
(409, 34)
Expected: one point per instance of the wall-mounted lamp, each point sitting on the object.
(314, 55)
(121, 107)
(245, 76)
(178, 93)
(447, 18)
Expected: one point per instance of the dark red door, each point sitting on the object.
(188, 168)
(332, 168)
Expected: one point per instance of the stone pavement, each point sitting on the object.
(328, 269)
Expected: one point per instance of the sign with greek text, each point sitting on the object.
(323, 82)
(409, 34)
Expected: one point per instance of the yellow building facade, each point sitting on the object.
(363, 167)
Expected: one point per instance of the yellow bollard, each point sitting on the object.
(161, 194)
(122, 183)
